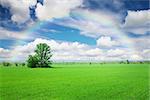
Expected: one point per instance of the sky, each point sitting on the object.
(76, 30)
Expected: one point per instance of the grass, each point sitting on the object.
(76, 82)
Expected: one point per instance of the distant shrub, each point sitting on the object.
(23, 64)
(16, 64)
(6, 64)
(141, 62)
(122, 62)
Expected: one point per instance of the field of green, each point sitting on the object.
(76, 82)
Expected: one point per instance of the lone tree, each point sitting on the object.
(41, 58)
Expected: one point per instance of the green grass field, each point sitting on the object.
(76, 82)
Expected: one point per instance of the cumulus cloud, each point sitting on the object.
(50, 9)
(137, 22)
(137, 18)
(106, 42)
(71, 51)
(61, 50)
(19, 9)
(56, 8)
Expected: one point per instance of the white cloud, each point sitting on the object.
(146, 53)
(94, 23)
(137, 18)
(141, 43)
(136, 57)
(62, 51)
(137, 22)
(6, 34)
(19, 9)
(97, 24)
(115, 52)
(4, 53)
(49, 30)
(56, 8)
(124, 54)
(106, 42)
(71, 51)
(51, 8)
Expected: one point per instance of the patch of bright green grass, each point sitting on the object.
(76, 82)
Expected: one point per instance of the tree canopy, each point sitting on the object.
(41, 58)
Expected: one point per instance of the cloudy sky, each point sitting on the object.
(76, 30)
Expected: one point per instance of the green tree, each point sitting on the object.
(41, 58)
(32, 61)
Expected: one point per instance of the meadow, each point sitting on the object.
(76, 82)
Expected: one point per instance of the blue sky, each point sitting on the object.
(105, 28)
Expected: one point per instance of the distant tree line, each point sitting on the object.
(16, 64)
(6, 64)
